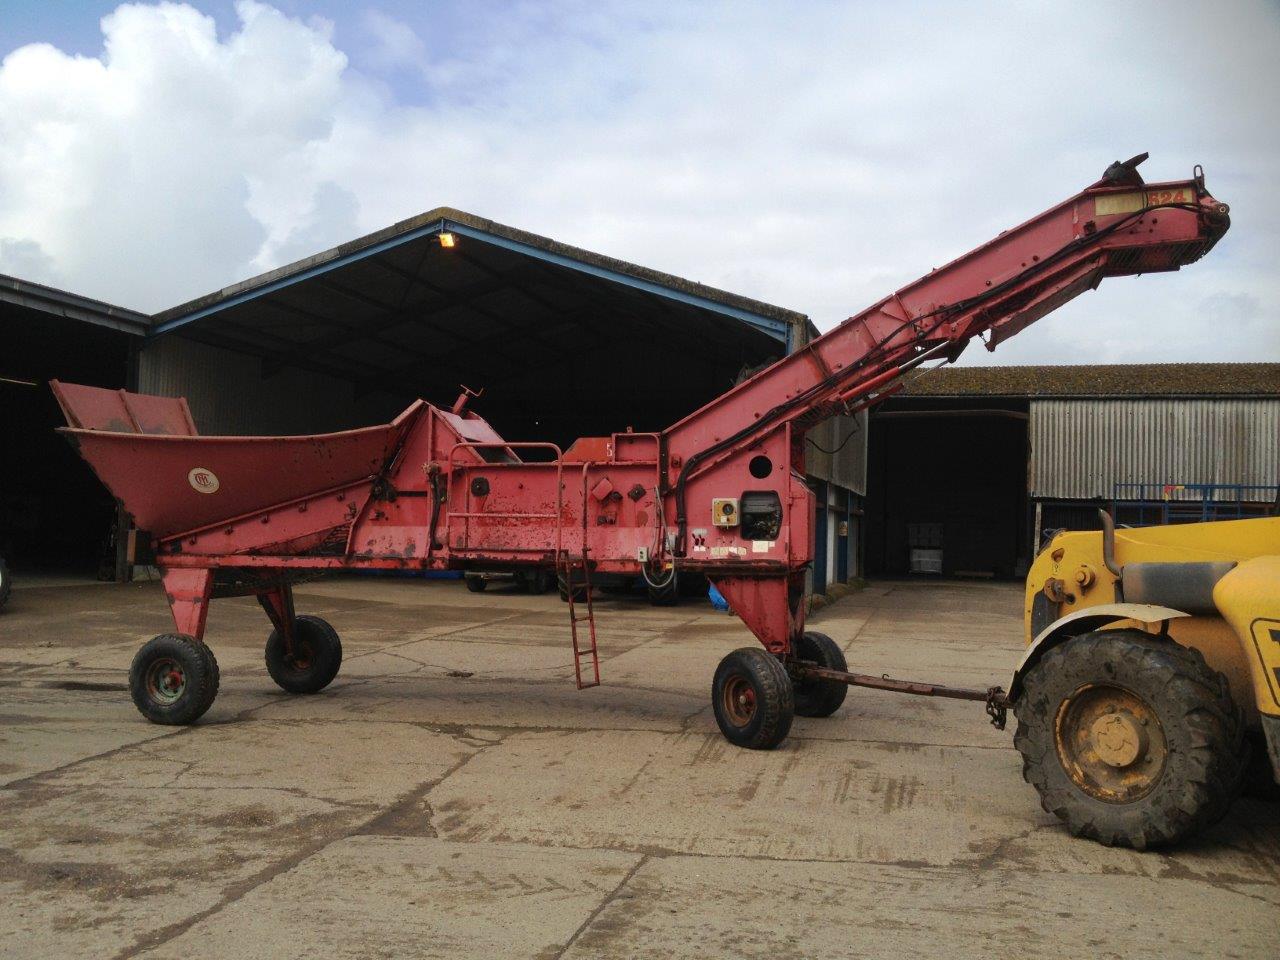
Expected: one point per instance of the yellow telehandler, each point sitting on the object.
(1151, 674)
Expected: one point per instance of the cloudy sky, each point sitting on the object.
(814, 155)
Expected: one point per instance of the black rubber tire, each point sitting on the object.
(535, 582)
(819, 698)
(198, 667)
(211, 664)
(475, 584)
(6, 583)
(579, 592)
(1202, 726)
(664, 596)
(323, 650)
(774, 705)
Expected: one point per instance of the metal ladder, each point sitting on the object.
(568, 566)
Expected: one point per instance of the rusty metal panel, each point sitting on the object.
(1083, 448)
(118, 411)
(847, 466)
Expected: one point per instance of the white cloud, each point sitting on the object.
(814, 156)
(394, 42)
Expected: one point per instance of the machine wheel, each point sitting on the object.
(536, 582)
(1130, 740)
(664, 596)
(819, 698)
(317, 655)
(579, 592)
(5, 583)
(173, 679)
(752, 698)
(475, 584)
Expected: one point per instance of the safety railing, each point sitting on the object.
(467, 515)
(1142, 504)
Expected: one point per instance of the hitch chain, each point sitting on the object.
(997, 706)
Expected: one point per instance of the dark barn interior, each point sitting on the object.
(54, 515)
(948, 480)
(563, 342)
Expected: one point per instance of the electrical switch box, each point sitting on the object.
(724, 511)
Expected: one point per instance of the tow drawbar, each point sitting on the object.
(995, 698)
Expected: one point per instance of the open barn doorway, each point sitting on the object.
(57, 522)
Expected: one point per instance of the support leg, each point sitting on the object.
(771, 607)
(278, 603)
(188, 592)
(303, 652)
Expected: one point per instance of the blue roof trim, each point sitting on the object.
(247, 295)
(778, 329)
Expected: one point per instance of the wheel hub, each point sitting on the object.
(1110, 743)
(166, 680)
(739, 700)
(301, 658)
(1118, 739)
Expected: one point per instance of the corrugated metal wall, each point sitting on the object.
(847, 467)
(228, 395)
(1082, 448)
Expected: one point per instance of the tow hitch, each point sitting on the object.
(995, 698)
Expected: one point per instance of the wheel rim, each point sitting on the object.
(739, 700)
(1110, 743)
(166, 680)
(301, 659)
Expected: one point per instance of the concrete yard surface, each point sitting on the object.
(452, 795)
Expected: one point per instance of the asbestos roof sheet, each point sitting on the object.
(1115, 380)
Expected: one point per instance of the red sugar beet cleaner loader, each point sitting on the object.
(721, 493)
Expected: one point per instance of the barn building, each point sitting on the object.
(563, 343)
(972, 467)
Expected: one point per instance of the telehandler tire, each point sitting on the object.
(752, 698)
(819, 698)
(317, 655)
(475, 584)
(1129, 739)
(173, 679)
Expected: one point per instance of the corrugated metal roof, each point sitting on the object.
(450, 218)
(1114, 380)
(1081, 449)
(36, 296)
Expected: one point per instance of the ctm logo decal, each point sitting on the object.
(203, 480)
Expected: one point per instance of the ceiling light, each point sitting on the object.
(448, 240)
